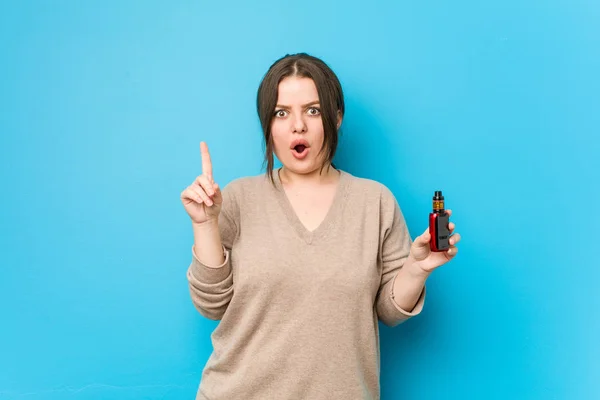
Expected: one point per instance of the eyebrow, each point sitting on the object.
(304, 106)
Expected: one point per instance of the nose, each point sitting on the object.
(298, 124)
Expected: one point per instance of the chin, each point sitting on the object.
(293, 166)
(302, 167)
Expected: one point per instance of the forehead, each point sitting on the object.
(296, 90)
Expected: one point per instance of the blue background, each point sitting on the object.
(102, 108)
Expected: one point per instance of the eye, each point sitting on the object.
(280, 113)
(314, 111)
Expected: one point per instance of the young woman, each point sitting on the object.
(299, 264)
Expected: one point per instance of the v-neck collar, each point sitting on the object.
(322, 230)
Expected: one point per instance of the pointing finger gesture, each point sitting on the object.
(202, 200)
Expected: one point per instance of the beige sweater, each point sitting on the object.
(299, 310)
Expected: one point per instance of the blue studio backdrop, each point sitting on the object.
(102, 108)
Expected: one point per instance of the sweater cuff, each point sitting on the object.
(416, 309)
(210, 274)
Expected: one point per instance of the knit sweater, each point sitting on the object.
(299, 309)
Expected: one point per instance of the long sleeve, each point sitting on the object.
(394, 250)
(211, 287)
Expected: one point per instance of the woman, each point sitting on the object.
(300, 263)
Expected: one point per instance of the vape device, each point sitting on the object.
(438, 224)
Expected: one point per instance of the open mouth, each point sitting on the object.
(300, 151)
(300, 148)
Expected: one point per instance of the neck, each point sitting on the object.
(316, 177)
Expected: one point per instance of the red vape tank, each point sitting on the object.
(438, 224)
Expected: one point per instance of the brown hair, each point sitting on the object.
(331, 99)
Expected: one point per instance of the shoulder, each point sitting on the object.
(372, 191)
(376, 200)
(245, 186)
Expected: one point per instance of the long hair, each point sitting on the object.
(331, 99)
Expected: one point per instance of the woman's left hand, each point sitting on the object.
(428, 260)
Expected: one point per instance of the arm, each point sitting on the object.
(402, 291)
(409, 284)
(207, 243)
(210, 275)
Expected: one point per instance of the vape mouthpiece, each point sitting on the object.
(438, 195)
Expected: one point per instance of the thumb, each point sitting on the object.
(424, 239)
(218, 196)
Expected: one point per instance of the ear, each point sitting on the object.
(339, 119)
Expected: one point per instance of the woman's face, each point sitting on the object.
(297, 128)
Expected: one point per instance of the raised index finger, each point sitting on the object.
(206, 163)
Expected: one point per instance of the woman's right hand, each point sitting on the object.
(202, 200)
